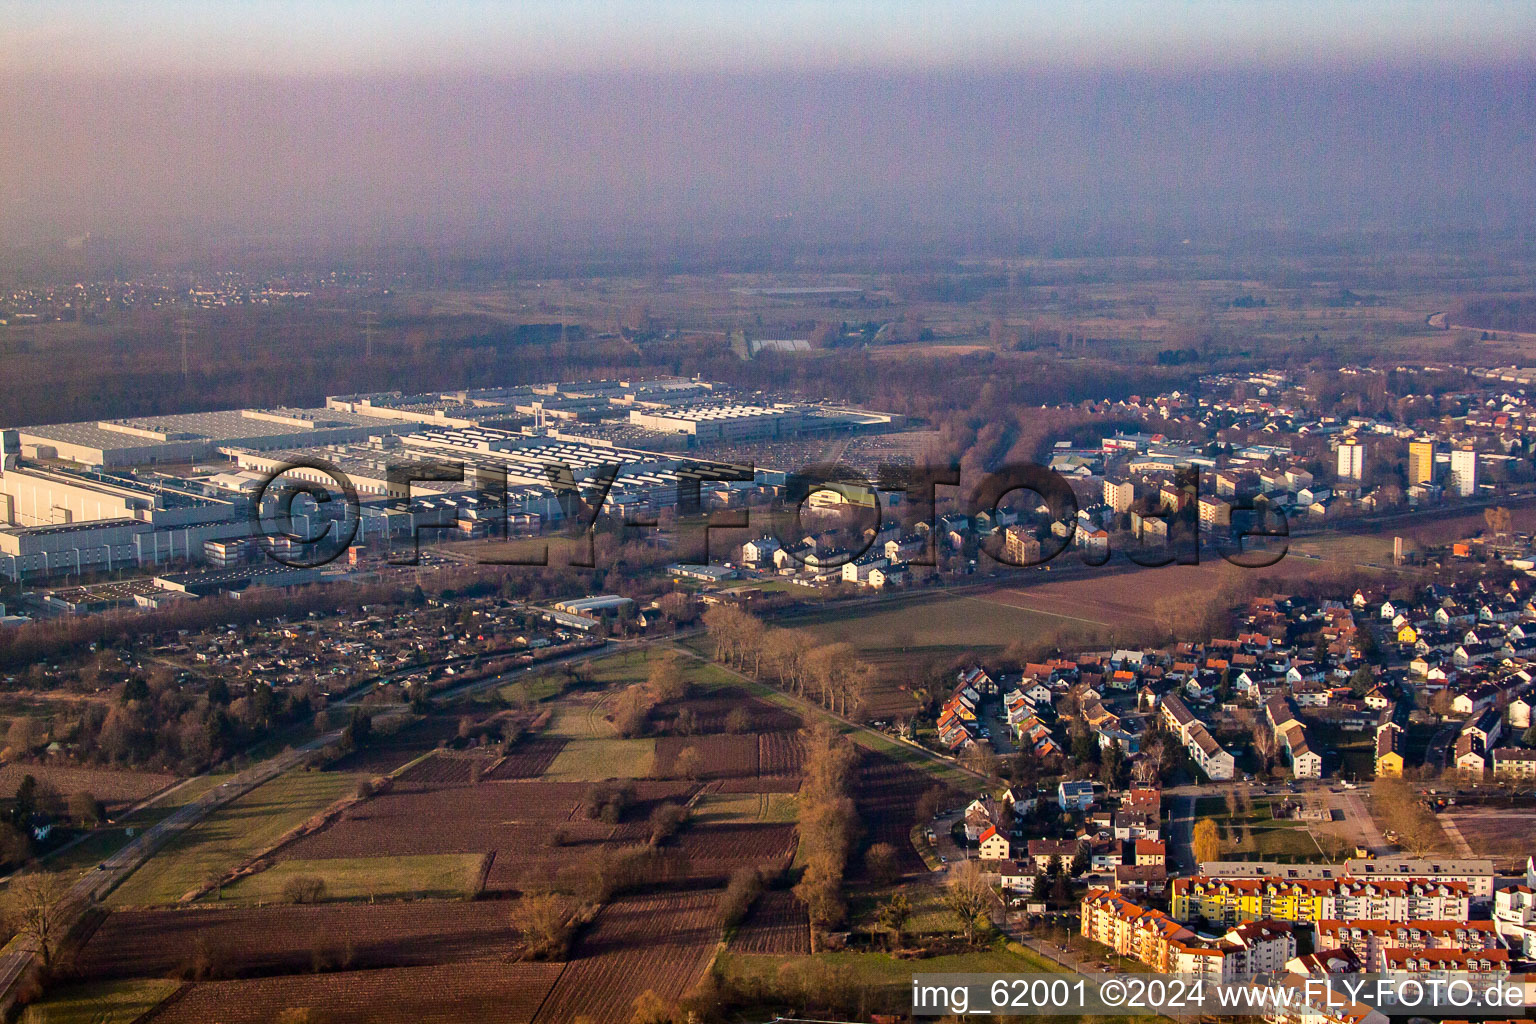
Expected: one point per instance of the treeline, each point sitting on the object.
(1498, 313)
(166, 727)
(830, 674)
(41, 804)
(828, 826)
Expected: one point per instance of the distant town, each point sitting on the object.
(1307, 774)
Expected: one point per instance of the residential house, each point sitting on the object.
(994, 845)
(1074, 795)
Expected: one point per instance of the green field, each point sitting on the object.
(1256, 835)
(102, 842)
(1284, 844)
(716, 808)
(531, 690)
(102, 1002)
(942, 770)
(606, 671)
(596, 760)
(913, 757)
(942, 625)
(579, 720)
(1350, 548)
(430, 876)
(848, 973)
(929, 915)
(230, 835)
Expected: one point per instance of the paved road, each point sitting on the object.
(1436, 754)
(1181, 830)
(93, 885)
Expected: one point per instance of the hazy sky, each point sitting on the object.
(450, 119)
(335, 38)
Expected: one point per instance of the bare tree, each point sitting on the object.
(32, 908)
(304, 889)
(665, 678)
(882, 863)
(689, 764)
(967, 895)
(981, 760)
(543, 921)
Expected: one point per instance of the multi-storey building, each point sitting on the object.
(1216, 762)
(1372, 940)
(1479, 968)
(1514, 913)
(1515, 763)
(1165, 945)
(1118, 495)
(1421, 462)
(1232, 901)
(1475, 872)
(1307, 1005)
(1464, 471)
(1351, 460)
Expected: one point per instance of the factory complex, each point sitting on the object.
(171, 492)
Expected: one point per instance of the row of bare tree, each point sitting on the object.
(828, 825)
(830, 674)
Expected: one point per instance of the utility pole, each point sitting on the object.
(184, 332)
(370, 327)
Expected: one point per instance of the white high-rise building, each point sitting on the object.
(1351, 460)
(1464, 471)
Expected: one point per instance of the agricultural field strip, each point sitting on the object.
(225, 838)
(93, 886)
(1040, 611)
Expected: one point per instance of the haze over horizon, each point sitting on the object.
(691, 120)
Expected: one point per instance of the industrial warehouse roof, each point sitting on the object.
(725, 412)
(231, 425)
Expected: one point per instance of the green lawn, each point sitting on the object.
(1285, 844)
(595, 760)
(717, 808)
(1262, 836)
(848, 971)
(434, 876)
(780, 807)
(102, 1002)
(531, 690)
(226, 838)
(579, 720)
(608, 671)
(929, 914)
(942, 771)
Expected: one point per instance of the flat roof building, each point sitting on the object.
(143, 440)
(723, 422)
